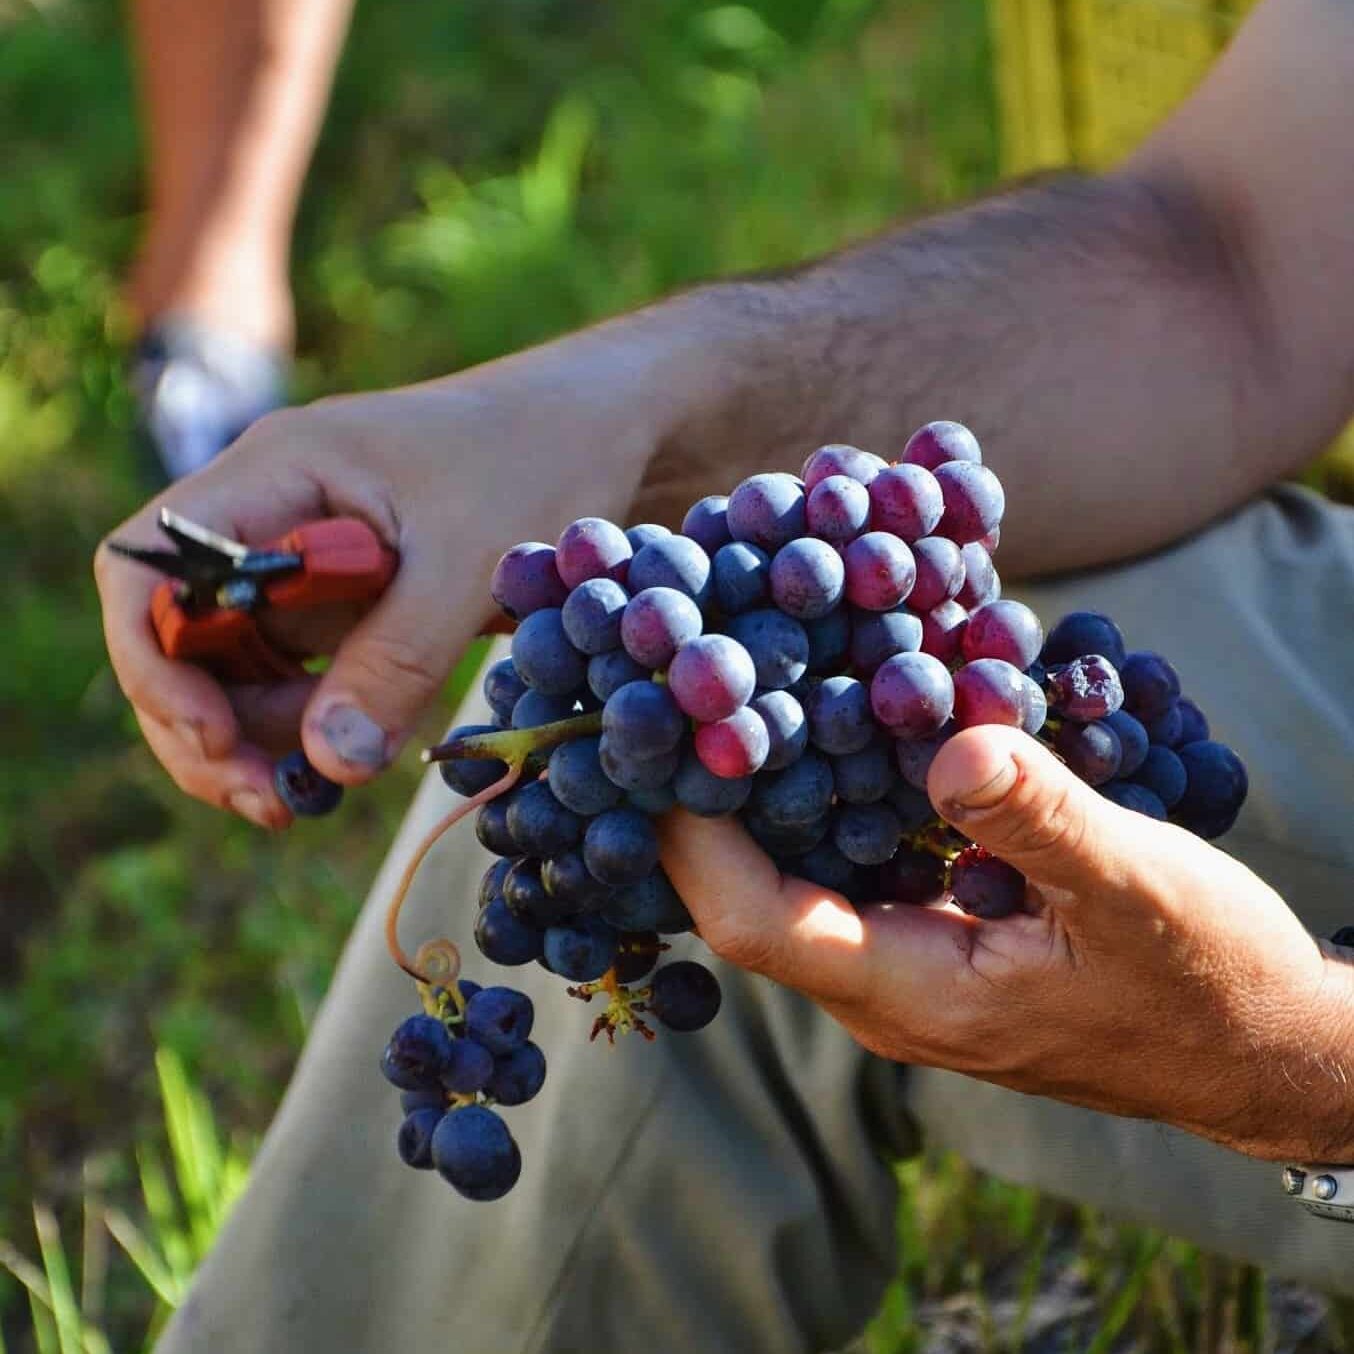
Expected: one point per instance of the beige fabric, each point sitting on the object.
(727, 1190)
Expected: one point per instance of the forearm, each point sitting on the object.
(1093, 332)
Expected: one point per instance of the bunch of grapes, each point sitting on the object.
(795, 656)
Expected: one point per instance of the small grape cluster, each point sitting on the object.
(796, 656)
(467, 1050)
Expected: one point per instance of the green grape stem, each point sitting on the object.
(514, 746)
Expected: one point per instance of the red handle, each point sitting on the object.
(342, 560)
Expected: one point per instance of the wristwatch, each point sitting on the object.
(1327, 1191)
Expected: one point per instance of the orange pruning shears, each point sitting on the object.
(205, 611)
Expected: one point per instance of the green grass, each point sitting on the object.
(492, 172)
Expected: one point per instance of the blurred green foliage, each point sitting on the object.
(491, 172)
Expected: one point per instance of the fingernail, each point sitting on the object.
(190, 732)
(355, 739)
(984, 796)
(250, 804)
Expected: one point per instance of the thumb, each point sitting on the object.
(386, 671)
(1012, 796)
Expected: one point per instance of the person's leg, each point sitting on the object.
(1255, 614)
(233, 92)
(718, 1191)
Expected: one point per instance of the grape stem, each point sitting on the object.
(514, 746)
(504, 783)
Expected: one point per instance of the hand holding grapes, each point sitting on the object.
(1149, 974)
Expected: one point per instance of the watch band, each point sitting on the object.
(1326, 1191)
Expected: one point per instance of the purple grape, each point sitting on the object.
(985, 886)
(543, 656)
(1036, 708)
(491, 828)
(1216, 786)
(569, 882)
(657, 800)
(672, 562)
(866, 776)
(620, 847)
(503, 688)
(656, 623)
(416, 1054)
(1167, 729)
(536, 708)
(981, 584)
(705, 794)
(473, 774)
(780, 843)
(642, 533)
(474, 1153)
(308, 793)
(638, 775)
(651, 905)
(767, 510)
(912, 695)
(838, 509)
(1008, 630)
(777, 643)
(879, 635)
(1163, 773)
(1133, 740)
(829, 640)
(608, 672)
(838, 711)
(1193, 725)
(942, 631)
(742, 577)
(879, 571)
(937, 443)
(906, 500)
(526, 897)
(711, 677)
(974, 501)
(837, 458)
(706, 523)
(1129, 794)
(734, 747)
(642, 720)
(911, 805)
(807, 578)
(940, 572)
(866, 834)
(915, 755)
(526, 580)
(491, 882)
(685, 996)
(989, 691)
(1092, 751)
(518, 1075)
(592, 547)
(469, 1067)
(414, 1142)
(499, 1018)
(913, 877)
(1087, 688)
(825, 866)
(786, 727)
(592, 615)
(636, 956)
(1150, 685)
(581, 950)
(539, 823)
(799, 795)
(1084, 632)
(576, 778)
